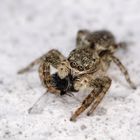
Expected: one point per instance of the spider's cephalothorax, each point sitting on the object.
(84, 60)
(86, 66)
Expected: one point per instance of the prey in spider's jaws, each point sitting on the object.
(65, 85)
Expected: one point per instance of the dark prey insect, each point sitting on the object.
(85, 67)
(65, 85)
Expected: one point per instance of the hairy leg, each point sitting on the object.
(52, 58)
(122, 45)
(80, 38)
(123, 70)
(32, 64)
(100, 87)
(39, 60)
(107, 84)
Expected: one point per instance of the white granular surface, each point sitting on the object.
(28, 29)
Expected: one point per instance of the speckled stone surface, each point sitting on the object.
(28, 29)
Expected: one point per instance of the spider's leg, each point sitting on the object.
(38, 61)
(100, 87)
(32, 64)
(123, 70)
(81, 38)
(105, 88)
(122, 45)
(39, 105)
(52, 58)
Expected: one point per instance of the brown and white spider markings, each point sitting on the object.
(87, 64)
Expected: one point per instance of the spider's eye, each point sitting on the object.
(73, 64)
(80, 68)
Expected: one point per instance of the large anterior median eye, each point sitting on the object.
(73, 64)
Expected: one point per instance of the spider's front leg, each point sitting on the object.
(81, 38)
(57, 60)
(41, 59)
(100, 87)
(123, 70)
(32, 64)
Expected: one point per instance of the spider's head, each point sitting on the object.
(83, 60)
(82, 67)
(63, 69)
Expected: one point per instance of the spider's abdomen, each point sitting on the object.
(103, 38)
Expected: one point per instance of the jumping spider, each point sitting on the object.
(86, 66)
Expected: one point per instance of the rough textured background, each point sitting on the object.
(29, 28)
